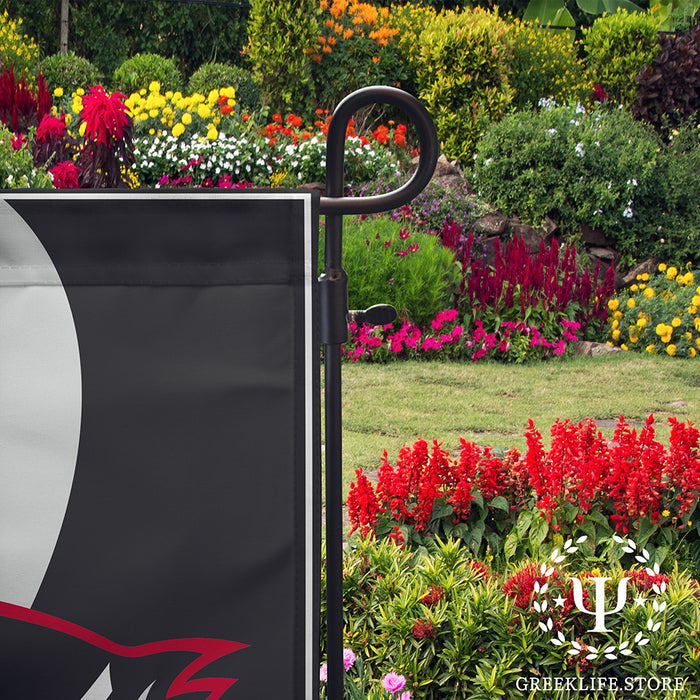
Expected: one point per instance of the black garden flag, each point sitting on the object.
(159, 445)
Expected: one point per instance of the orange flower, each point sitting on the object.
(327, 49)
(323, 5)
(332, 40)
(348, 33)
(245, 117)
(338, 8)
(321, 40)
(316, 58)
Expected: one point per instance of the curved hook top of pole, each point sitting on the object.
(334, 202)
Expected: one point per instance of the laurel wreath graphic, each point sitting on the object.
(613, 651)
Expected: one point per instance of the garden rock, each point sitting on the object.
(648, 266)
(588, 348)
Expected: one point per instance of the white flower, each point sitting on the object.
(552, 132)
(579, 150)
(488, 162)
(628, 213)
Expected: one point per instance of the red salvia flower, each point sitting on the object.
(51, 129)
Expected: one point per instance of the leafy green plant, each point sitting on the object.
(17, 169)
(390, 263)
(69, 72)
(214, 76)
(617, 47)
(455, 629)
(139, 71)
(669, 86)
(281, 37)
(546, 64)
(463, 71)
(659, 314)
(598, 169)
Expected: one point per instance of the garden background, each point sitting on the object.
(564, 221)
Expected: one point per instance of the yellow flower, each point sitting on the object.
(645, 277)
(671, 273)
(651, 349)
(661, 329)
(691, 352)
(695, 301)
(613, 304)
(615, 324)
(692, 309)
(665, 513)
(212, 134)
(186, 118)
(617, 315)
(58, 92)
(203, 111)
(80, 92)
(624, 347)
(616, 335)
(676, 322)
(662, 267)
(634, 288)
(178, 129)
(649, 292)
(671, 350)
(641, 322)
(82, 128)
(630, 303)
(154, 86)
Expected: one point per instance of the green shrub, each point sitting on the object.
(69, 72)
(599, 169)
(456, 631)
(546, 64)
(617, 48)
(388, 263)
(410, 20)
(138, 72)
(281, 37)
(669, 87)
(677, 236)
(214, 76)
(463, 71)
(17, 169)
(18, 49)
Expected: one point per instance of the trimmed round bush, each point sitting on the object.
(69, 72)
(137, 73)
(214, 76)
(617, 48)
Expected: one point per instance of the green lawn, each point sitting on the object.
(387, 406)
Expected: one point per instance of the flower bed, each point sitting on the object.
(480, 575)
(658, 314)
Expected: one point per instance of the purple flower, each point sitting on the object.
(393, 682)
(323, 674)
(348, 659)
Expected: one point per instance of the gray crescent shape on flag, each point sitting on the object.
(40, 407)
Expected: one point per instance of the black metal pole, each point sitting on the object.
(334, 308)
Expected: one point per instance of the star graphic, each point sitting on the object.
(639, 601)
(559, 601)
